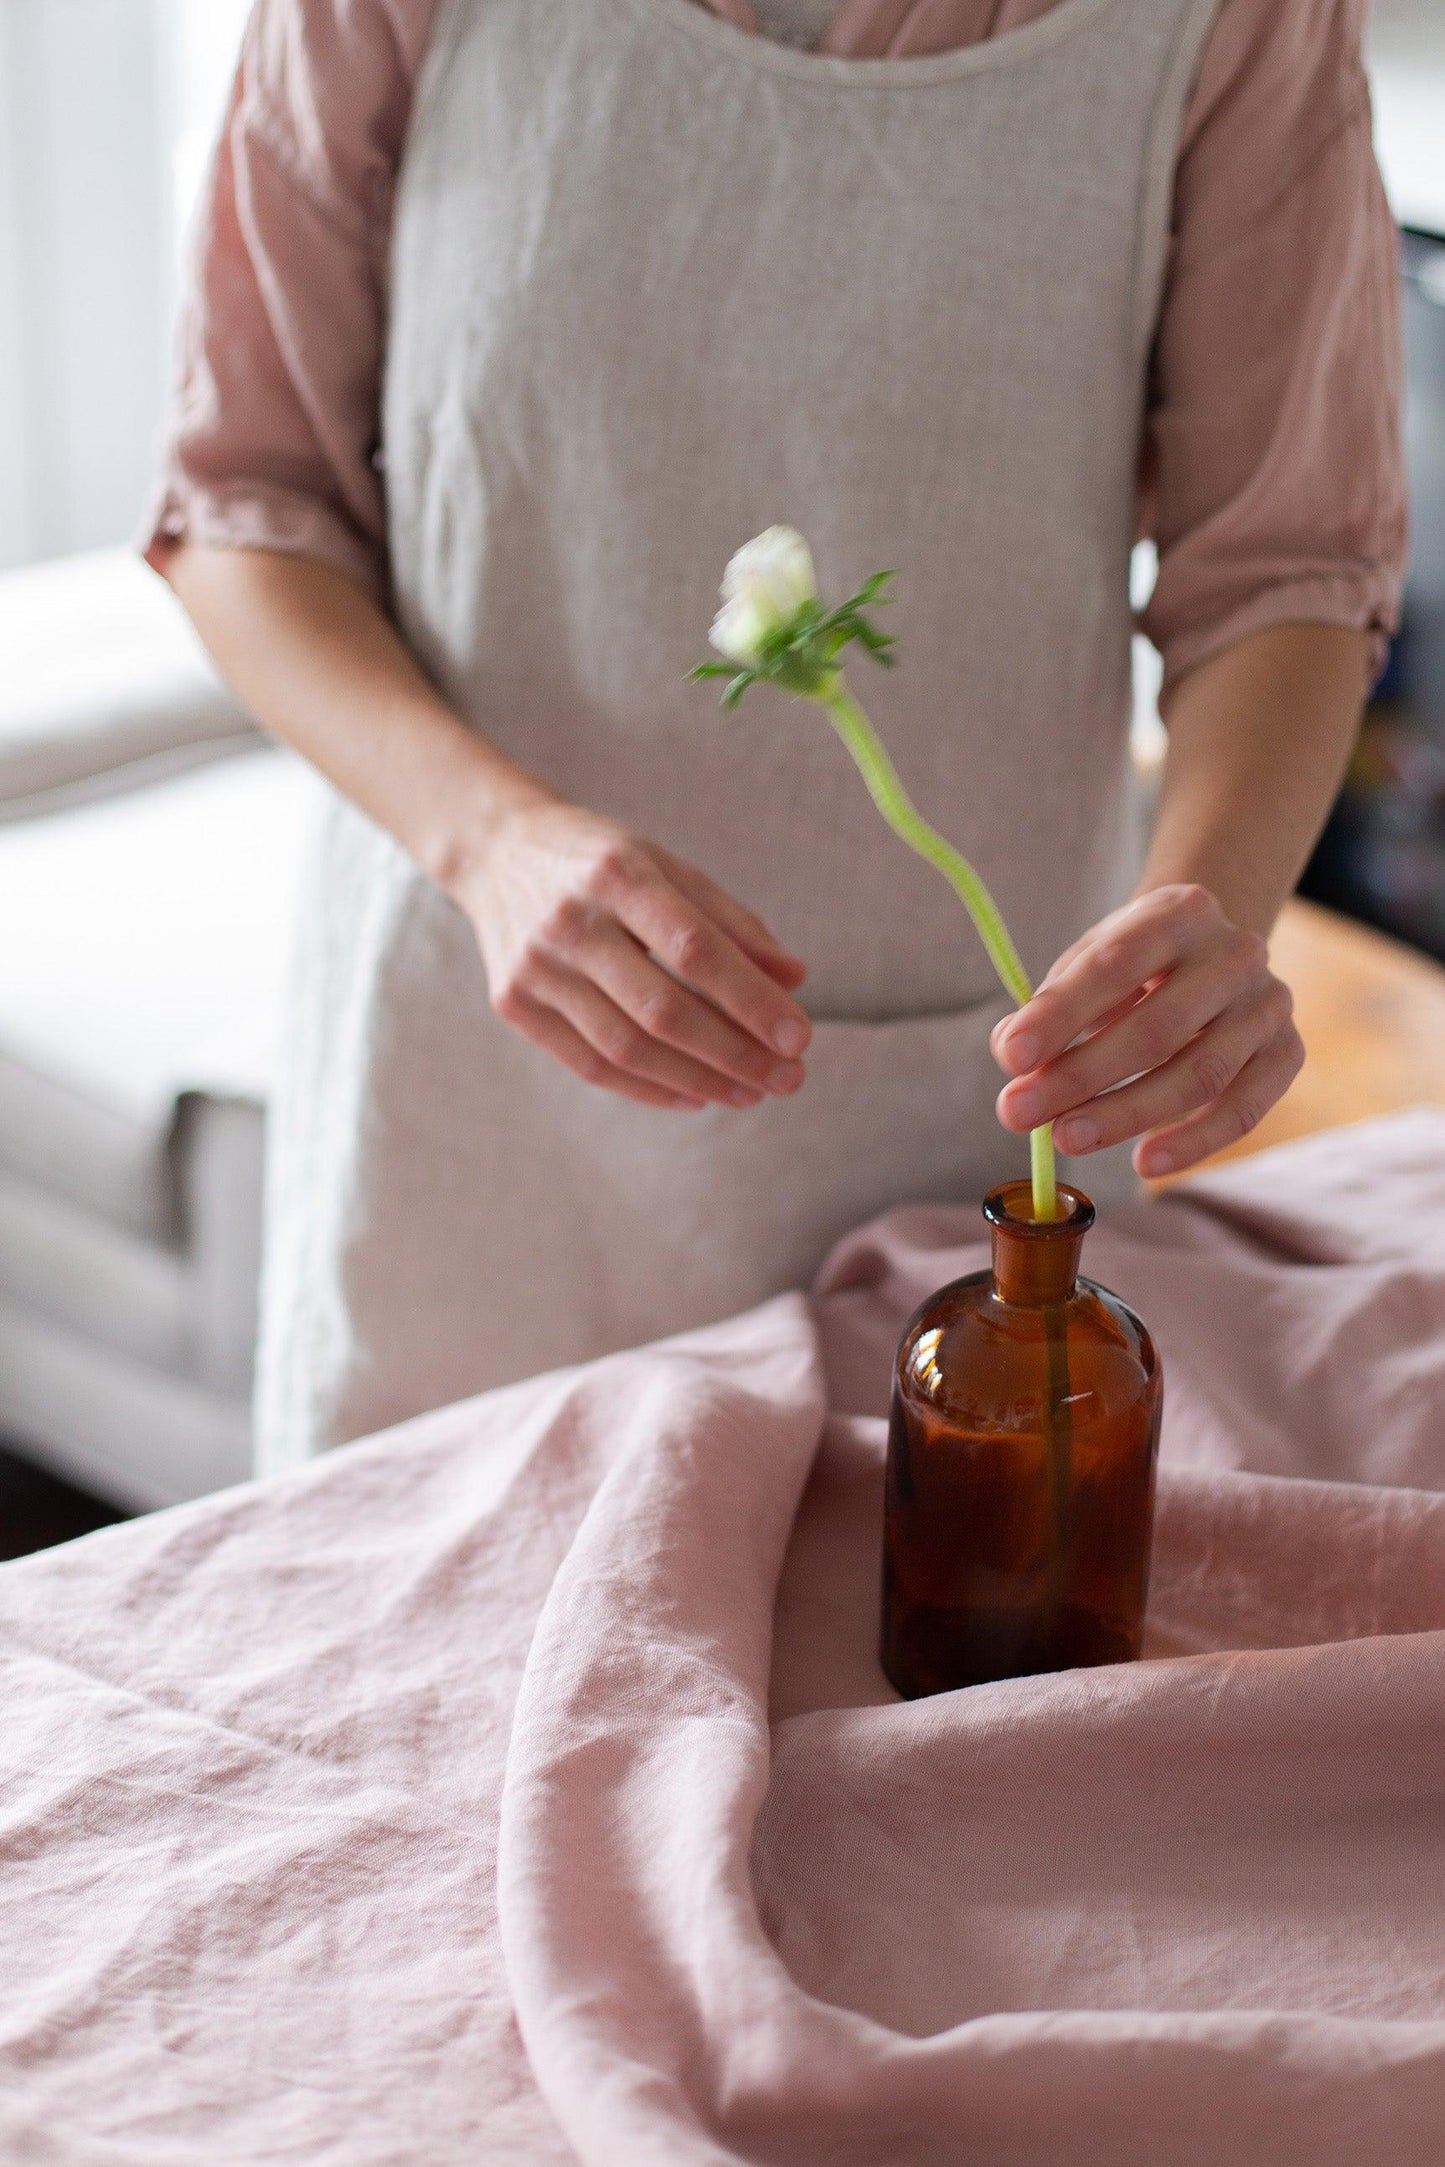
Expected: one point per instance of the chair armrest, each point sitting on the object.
(105, 685)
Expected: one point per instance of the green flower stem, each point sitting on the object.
(898, 809)
(1041, 1168)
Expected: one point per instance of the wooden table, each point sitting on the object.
(1372, 1015)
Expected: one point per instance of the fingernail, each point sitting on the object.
(743, 1095)
(1078, 1135)
(1021, 1047)
(1020, 1109)
(1160, 1162)
(784, 1076)
(790, 1036)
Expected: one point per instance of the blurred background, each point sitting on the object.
(150, 842)
(1382, 857)
(107, 111)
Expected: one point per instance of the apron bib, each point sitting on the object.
(656, 285)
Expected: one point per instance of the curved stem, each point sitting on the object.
(898, 809)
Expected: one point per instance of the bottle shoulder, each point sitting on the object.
(965, 1349)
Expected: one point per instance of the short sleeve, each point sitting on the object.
(1273, 480)
(271, 435)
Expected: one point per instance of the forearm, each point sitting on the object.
(1259, 737)
(323, 669)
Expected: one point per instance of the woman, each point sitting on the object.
(512, 319)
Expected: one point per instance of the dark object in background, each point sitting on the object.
(1421, 660)
(38, 1510)
(1382, 855)
(1019, 1499)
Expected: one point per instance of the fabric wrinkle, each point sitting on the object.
(749, 1906)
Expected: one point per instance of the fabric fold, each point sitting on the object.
(1158, 1913)
(560, 1709)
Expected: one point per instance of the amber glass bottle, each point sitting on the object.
(1020, 1488)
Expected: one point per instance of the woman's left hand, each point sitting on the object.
(1185, 1036)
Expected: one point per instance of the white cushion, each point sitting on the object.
(186, 1308)
(86, 1276)
(145, 955)
(104, 685)
(123, 1429)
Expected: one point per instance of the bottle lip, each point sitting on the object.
(1077, 1218)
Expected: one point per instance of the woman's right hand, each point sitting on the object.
(630, 966)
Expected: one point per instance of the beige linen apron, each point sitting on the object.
(657, 283)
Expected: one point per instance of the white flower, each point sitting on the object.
(765, 585)
(779, 563)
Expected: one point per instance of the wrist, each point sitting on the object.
(460, 838)
(465, 847)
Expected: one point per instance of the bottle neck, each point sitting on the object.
(1036, 1261)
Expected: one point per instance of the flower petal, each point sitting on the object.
(741, 626)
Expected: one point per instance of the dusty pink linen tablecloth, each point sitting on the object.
(259, 1756)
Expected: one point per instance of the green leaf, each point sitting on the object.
(801, 656)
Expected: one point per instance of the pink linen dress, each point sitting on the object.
(1269, 452)
(654, 284)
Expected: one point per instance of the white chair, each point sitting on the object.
(150, 843)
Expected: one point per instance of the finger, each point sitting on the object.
(1145, 1036)
(1119, 916)
(1260, 1084)
(666, 1010)
(1154, 936)
(1122, 1008)
(750, 932)
(705, 957)
(787, 971)
(1197, 1075)
(552, 1032)
(1076, 948)
(626, 1045)
(1132, 947)
(1110, 1015)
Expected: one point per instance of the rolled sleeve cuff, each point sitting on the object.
(260, 516)
(1357, 601)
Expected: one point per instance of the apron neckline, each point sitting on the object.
(749, 48)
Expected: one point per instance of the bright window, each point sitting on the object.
(107, 112)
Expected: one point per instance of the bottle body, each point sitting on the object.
(1021, 1453)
